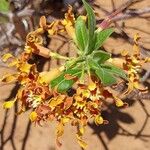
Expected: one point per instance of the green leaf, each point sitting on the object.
(81, 34)
(115, 70)
(4, 6)
(100, 56)
(65, 85)
(93, 64)
(105, 76)
(91, 18)
(62, 84)
(101, 36)
(91, 25)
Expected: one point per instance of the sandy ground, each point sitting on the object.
(120, 134)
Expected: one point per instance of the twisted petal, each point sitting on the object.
(9, 104)
(33, 116)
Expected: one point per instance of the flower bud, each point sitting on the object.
(117, 62)
(48, 76)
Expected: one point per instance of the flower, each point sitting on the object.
(98, 120)
(33, 116)
(133, 65)
(69, 22)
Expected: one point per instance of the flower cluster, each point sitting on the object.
(78, 90)
(133, 65)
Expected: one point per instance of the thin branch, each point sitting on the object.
(138, 29)
(127, 133)
(127, 4)
(108, 20)
(27, 11)
(145, 76)
(130, 14)
(127, 38)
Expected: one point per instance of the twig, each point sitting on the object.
(145, 77)
(138, 29)
(131, 14)
(27, 11)
(108, 20)
(126, 5)
(127, 38)
(128, 133)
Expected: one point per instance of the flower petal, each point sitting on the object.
(9, 78)
(79, 135)
(8, 104)
(33, 116)
(59, 133)
(98, 120)
(25, 68)
(6, 57)
(119, 102)
(42, 22)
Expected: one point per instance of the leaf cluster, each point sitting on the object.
(91, 59)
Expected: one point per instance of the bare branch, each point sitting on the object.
(27, 11)
(131, 14)
(108, 20)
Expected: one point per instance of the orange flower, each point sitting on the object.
(69, 22)
(133, 66)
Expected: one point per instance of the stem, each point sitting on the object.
(83, 71)
(88, 69)
(58, 56)
(45, 52)
(73, 61)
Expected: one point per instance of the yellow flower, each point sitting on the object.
(32, 37)
(9, 104)
(53, 28)
(98, 120)
(33, 116)
(69, 17)
(7, 56)
(28, 49)
(9, 78)
(59, 132)
(69, 22)
(46, 77)
(86, 93)
(92, 86)
(79, 102)
(119, 102)
(56, 101)
(79, 136)
(132, 65)
(25, 67)
(42, 22)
